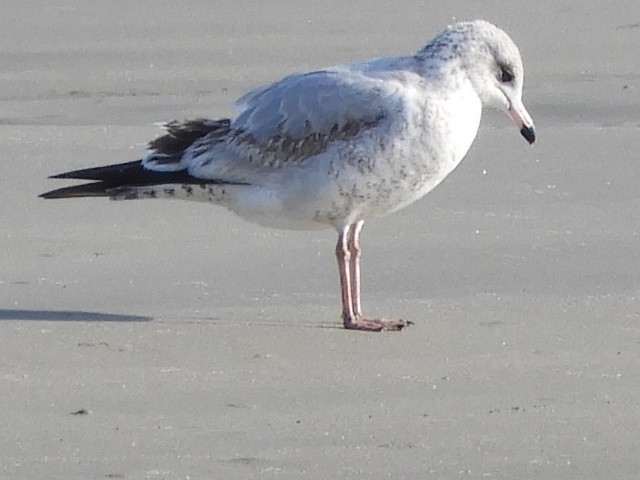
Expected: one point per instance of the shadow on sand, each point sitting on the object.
(69, 316)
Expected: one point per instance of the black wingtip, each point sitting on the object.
(104, 179)
(104, 173)
(62, 175)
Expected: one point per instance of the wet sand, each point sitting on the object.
(173, 340)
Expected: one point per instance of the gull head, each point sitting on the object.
(492, 63)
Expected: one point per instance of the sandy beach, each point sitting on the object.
(172, 340)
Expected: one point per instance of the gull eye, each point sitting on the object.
(505, 75)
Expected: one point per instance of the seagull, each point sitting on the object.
(333, 147)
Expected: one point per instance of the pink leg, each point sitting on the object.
(348, 255)
(354, 266)
(343, 256)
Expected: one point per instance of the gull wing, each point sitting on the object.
(290, 122)
(312, 103)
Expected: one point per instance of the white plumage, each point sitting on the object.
(337, 146)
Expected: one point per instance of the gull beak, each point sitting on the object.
(523, 121)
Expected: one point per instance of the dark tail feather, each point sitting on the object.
(130, 174)
(107, 173)
(96, 189)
